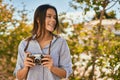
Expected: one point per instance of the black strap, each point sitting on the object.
(25, 49)
(26, 45)
(50, 47)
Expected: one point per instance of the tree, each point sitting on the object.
(12, 31)
(109, 15)
(95, 41)
(6, 17)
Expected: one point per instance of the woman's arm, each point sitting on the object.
(48, 62)
(64, 68)
(58, 71)
(28, 63)
(21, 74)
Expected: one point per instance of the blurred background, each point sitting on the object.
(91, 28)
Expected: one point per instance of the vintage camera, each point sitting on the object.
(37, 58)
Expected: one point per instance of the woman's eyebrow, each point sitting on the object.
(50, 14)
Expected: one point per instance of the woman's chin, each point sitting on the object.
(50, 30)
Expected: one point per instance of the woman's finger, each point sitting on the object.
(29, 59)
(28, 64)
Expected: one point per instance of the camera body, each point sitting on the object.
(37, 58)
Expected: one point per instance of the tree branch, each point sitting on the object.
(112, 5)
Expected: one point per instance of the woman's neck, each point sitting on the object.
(45, 40)
(46, 37)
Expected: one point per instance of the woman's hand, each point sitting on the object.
(28, 62)
(47, 61)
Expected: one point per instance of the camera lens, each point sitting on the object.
(37, 61)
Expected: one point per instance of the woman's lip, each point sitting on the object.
(51, 25)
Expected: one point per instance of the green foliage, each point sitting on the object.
(9, 47)
(117, 26)
(98, 42)
(12, 31)
(107, 15)
(97, 6)
(84, 40)
(89, 4)
(106, 55)
(5, 17)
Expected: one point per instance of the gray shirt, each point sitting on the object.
(59, 52)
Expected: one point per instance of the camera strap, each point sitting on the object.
(49, 51)
(28, 41)
(26, 49)
(49, 47)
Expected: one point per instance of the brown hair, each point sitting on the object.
(40, 14)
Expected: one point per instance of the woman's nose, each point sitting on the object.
(53, 19)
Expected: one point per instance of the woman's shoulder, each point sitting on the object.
(61, 38)
(23, 42)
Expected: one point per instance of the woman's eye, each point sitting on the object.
(54, 17)
(49, 16)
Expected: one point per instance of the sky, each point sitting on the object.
(61, 6)
(31, 5)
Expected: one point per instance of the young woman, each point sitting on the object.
(56, 61)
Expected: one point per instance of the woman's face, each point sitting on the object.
(50, 20)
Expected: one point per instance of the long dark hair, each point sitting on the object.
(40, 14)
